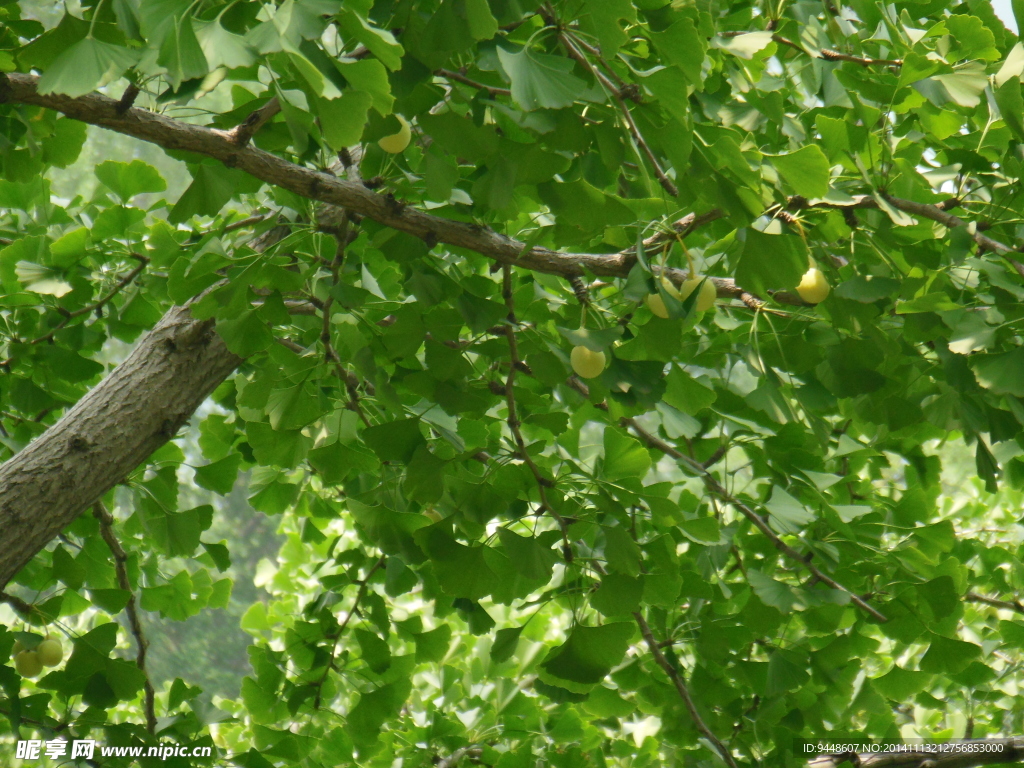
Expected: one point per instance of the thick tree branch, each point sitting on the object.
(108, 433)
(169, 133)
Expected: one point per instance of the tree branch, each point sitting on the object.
(759, 522)
(616, 95)
(100, 512)
(169, 133)
(682, 690)
(242, 134)
(69, 316)
(137, 408)
(515, 364)
(363, 585)
(22, 607)
(1008, 605)
(460, 77)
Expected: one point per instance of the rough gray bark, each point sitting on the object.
(108, 433)
(352, 195)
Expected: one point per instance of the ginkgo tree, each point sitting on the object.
(603, 365)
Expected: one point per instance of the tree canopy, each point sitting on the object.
(631, 382)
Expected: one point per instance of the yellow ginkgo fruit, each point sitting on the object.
(50, 652)
(587, 363)
(813, 288)
(657, 304)
(27, 664)
(706, 297)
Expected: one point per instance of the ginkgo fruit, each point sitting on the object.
(587, 363)
(397, 142)
(50, 652)
(17, 648)
(657, 304)
(706, 297)
(27, 664)
(813, 288)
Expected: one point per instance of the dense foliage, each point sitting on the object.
(735, 535)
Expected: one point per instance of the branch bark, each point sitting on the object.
(108, 433)
(759, 522)
(131, 608)
(169, 133)
(682, 690)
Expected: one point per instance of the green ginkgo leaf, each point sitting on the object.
(181, 54)
(85, 66)
(540, 80)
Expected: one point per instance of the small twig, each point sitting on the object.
(516, 363)
(242, 134)
(69, 316)
(1009, 605)
(680, 228)
(363, 586)
(456, 757)
(939, 214)
(18, 604)
(141, 643)
(616, 95)
(715, 457)
(330, 354)
(626, 90)
(830, 55)
(682, 690)
(759, 522)
(459, 77)
(127, 98)
(827, 53)
(247, 222)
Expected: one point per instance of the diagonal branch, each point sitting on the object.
(1007, 605)
(616, 95)
(100, 512)
(460, 77)
(242, 134)
(682, 690)
(21, 606)
(516, 364)
(759, 522)
(69, 316)
(363, 586)
(137, 408)
(169, 133)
